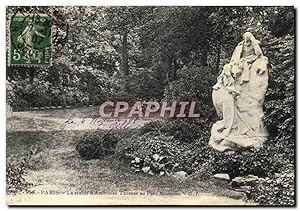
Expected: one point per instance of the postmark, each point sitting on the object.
(30, 40)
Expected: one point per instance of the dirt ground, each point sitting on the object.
(59, 174)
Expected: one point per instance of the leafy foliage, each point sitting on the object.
(261, 163)
(94, 146)
(279, 189)
(280, 99)
(183, 131)
(153, 165)
(15, 176)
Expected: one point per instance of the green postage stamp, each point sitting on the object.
(30, 40)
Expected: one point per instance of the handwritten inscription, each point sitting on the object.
(103, 123)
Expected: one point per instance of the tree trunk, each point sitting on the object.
(125, 66)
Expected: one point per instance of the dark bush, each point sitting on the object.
(145, 146)
(261, 163)
(280, 99)
(183, 131)
(58, 86)
(279, 189)
(95, 146)
(15, 181)
(180, 130)
(15, 175)
(149, 144)
(264, 162)
(154, 127)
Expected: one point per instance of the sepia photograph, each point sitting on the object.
(150, 105)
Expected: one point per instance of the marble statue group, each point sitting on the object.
(238, 97)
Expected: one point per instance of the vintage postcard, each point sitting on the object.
(150, 105)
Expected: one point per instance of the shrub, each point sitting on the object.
(94, 145)
(194, 83)
(15, 176)
(181, 130)
(279, 189)
(180, 142)
(145, 83)
(154, 127)
(264, 162)
(261, 163)
(280, 98)
(146, 146)
(149, 144)
(154, 165)
(58, 85)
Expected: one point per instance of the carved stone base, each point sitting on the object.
(236, 143)
(233, 143)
